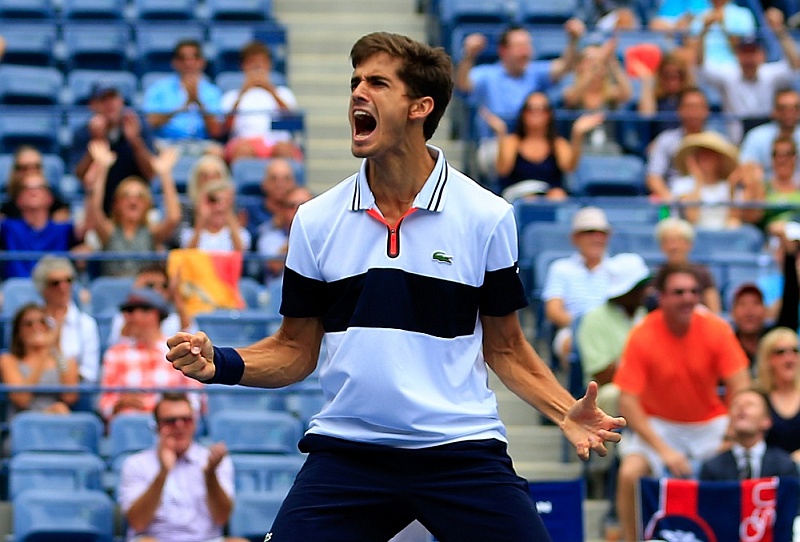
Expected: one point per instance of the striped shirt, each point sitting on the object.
(400, 305)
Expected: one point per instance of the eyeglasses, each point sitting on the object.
(58, 282)
(28, 167)
(173, 420)
(133, 194)
(782, 351)
(155, 285)
(784, 154)
(529, 107)
(38, 186)
(787, 107)
(683, 291)
(130, 309)
(188, 57)
(32, 322)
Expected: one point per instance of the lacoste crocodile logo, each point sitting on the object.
(442, 256)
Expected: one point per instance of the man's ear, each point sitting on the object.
(420, 108)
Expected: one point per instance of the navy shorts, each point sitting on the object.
(353, 492)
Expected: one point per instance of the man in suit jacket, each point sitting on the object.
(749, 456)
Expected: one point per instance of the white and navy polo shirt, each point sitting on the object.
(404, 365)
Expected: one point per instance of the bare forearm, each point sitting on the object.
(142, 157)
(142, 512)
(219, 503)
(639, 422)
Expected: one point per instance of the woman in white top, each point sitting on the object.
(216, 226)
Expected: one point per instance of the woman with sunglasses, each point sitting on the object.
(129, 229)
(535, 151)
(27, 161)
(778, 366)
(34, 359)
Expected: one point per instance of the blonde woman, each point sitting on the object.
(778, 368)
(128, 229)
(35, 359)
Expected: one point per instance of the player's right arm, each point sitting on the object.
(284, 358)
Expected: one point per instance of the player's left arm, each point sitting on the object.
(521, 369)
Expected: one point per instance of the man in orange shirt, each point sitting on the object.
(669, 376)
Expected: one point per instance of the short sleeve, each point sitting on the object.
(501, 292)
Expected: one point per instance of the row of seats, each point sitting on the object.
(217, 10)
(141, 47)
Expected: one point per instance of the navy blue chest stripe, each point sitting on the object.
(396, 299)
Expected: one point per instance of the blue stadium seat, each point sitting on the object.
(633, 238)
(307, 402)
(76, 10)
(491, 31)
(628, 210)
(155, 42)
(37, 126)
(237, 327)
(227, 40)
(130, 432)
(254, 513)
(737, 273)
(158, 10)
(96, 46)
(746, 239)
(246, 431)
(251, 291)
(261, 473)
(18, 291)
(543, 210)
(80, 84)
(30, 85)
(605, 175)
(248, 173)
(549, 41)
(54, 470)
(29, 43)
(548, 12)
(27, 9)
(453, 13)
(67, 516)
(44, 432)
(239, 10)
(108, 293)
(243, 398)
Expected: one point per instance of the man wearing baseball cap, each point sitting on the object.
(124, 131)
(577, 283)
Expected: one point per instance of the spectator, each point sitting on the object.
(207, 168)
(781, 193)
(600, 84)
(180, 490)
(706, 161)
(675, 238)
(183, 108)
(34, 359)
(128, 228)
(250, 110)
(29, 161)
(501, 87)
(715, 33)
(216, 226)
(678, 350)
(279, 178)
(661, 172)
(749, 455)
(77, 333)
(756, 160)
(273, 236)
(35, 230)
(779, 378)
(577, 284)
(603, 331)
(137, 360)
(748, 88)
(153, 276)
(661, 91)
(123, 130)
(749, 313)
(535, 151)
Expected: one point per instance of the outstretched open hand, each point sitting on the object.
(588, 428)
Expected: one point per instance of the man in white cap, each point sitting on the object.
(603, 331)
(577, 283)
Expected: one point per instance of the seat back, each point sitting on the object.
(55, 471)
(255, 432)
(254, 512)
(130, 432)
(158, 10)
(36, 126)
(97, 46)
(45, 432)
(155, 42)
(609, 175)
(77, 10)
(108, 293)
(560, 505)
(264, 473)
(29, 43)
(30, 85)
(237, 327)
(238, 398)
(42, 515)
(239, 10)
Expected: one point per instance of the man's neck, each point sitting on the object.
(35, 218)
(396, 179)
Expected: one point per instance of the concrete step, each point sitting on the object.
(544, 471)
(538, 443)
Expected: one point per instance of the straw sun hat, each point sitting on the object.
(707, 140)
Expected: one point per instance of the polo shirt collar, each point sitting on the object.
(430, 198)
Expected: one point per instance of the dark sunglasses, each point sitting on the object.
(58, 282)
(175, 419)
(782, 351)
(684, 291)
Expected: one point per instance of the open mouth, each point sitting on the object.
(363, 124)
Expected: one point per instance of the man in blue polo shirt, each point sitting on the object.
(408, 269)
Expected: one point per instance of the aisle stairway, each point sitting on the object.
(320, 36)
